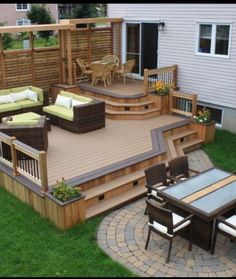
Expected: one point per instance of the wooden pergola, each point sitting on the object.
(44, 67)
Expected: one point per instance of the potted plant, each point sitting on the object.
(204, 125)
(66, 205)
(162, 88)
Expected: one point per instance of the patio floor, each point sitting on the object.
(70, 155)
(123, 233)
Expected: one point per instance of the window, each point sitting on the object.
(216, 113)
(22, 21)
(213, 39)
(22, 7)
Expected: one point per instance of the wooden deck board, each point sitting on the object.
(70, 155)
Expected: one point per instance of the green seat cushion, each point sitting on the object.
(26, 116)
(39, 91)
(5, 91)
(22, 122)
(28, 103)
(9, 107)
(76, 97)
(59, 111)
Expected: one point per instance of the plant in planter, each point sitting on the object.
(64, 191)
(203, 116)
(162, 88)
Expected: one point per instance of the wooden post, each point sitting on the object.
(74, 73)
(146, 81)
(69, 57)
(31, 41)
(111, 34)
(2, 61)
(89, 46)
(170, 102)
(175, 77)
(194, 105)
(13, 156)
(43, 170)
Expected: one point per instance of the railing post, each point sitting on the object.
(13, 156)
(194, 105)
(175, 77)
(43, 170)
(146, 81)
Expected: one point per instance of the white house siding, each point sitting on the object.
(212, 78)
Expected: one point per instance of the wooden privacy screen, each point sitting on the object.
(39, 67)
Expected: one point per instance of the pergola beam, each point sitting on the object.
(35, 28)
(91, 20)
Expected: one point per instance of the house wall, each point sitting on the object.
(9, 15)
(212, 78)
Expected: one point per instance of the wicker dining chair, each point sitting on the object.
(167, 224)
(125, 69)
(102, 72)
(156, 179)
(179, 168)
(85, 69)
(113, 60)
(224, 226)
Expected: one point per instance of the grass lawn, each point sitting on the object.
(18, 44)
(31, 246)
(223, 151)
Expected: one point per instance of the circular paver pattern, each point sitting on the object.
(123, 233)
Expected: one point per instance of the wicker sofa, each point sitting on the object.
(86, 116)
(18, 100)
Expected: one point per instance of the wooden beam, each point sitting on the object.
(34, 28)
(90, 20)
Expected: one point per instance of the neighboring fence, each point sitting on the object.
(24, 160)
(166, 74)
(183, 103)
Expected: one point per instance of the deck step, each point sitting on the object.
(189, 146)
(127, 115)
(118, 104)
(182, 135)
(116, 201)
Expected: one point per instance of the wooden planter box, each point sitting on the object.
(161, 102)
(65, 214)
(206, 131)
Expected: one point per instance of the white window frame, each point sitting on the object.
(24, 20)
(22, 10)
(213, 39)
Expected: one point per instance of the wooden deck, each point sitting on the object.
(131, 89)
(70, 155)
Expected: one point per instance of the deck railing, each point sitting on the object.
(183, 103)
(24, 160)
(166, 74)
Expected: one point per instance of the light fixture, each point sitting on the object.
(161, 26)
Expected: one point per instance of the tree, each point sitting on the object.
(39, 14)
(88, 10)
(6, 39)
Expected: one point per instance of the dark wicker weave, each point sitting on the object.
(157, 213)
(87, 117)
(179, 168)
(33, 135)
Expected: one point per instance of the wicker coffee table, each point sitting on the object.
(34, 135)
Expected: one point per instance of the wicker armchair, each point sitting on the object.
(85, 68)
(125, 69)
(102, 72)
(113, 60)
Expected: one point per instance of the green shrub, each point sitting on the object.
(65, 192)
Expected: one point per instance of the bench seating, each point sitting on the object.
(89, 115)
(25, 104)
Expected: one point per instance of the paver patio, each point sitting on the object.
(122, 235)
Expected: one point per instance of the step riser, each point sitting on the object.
(133, 116)
(192, 147)
(114, 192)
(124, 171)
(130, 108)
(185, 138)
(110, 98)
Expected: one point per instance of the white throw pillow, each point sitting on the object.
(63, 101)
(32, 95)
(23, 95)
(76, 103)
(6, 99)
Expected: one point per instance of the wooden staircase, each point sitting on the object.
(125, 108)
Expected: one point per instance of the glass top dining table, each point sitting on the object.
(207, 194)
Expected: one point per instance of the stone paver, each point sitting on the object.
(122, 235)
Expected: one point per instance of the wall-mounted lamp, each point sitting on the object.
(161, 26)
